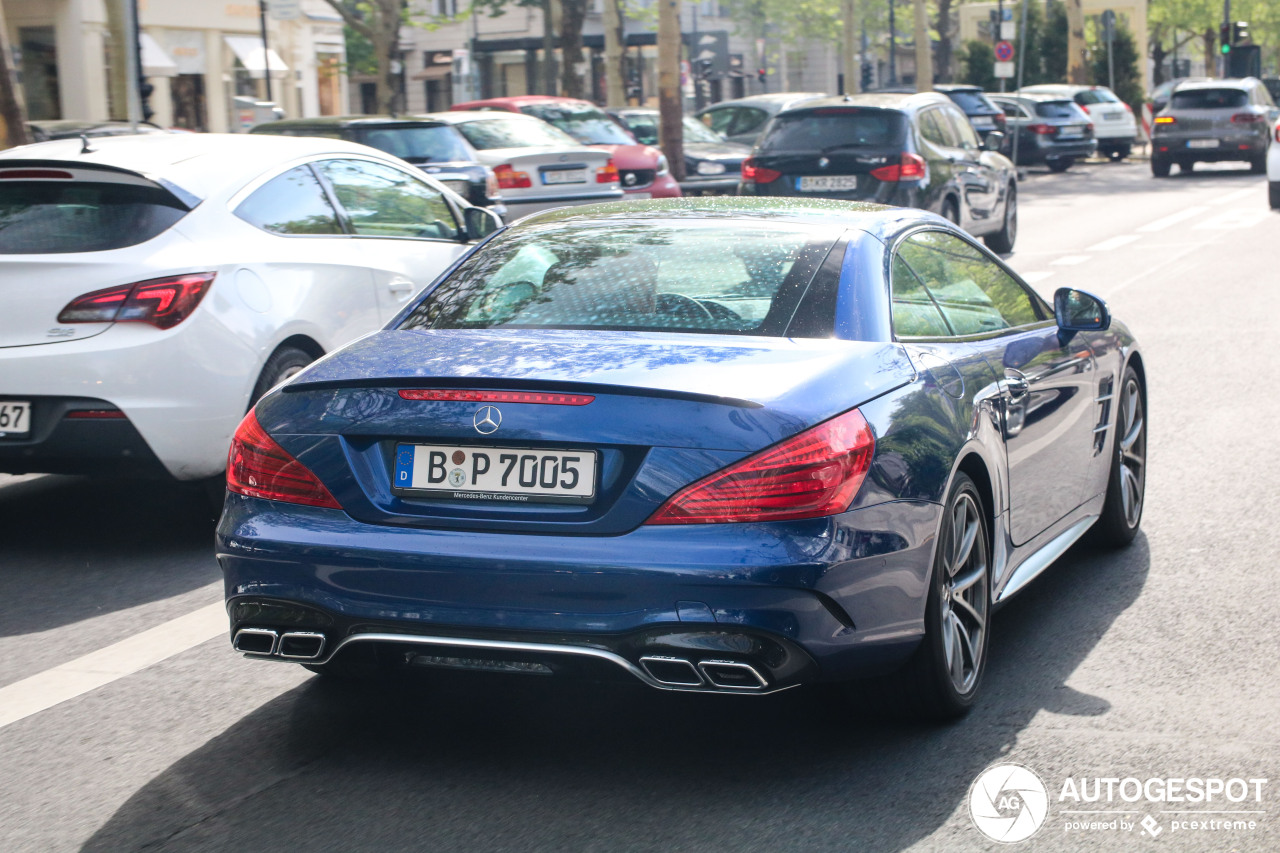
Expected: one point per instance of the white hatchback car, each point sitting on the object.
(1114, 125)
(155, 286)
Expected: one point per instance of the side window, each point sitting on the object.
(291, 203)
(915, 315)
(933, 128)
(749, 120)
(382, 201)
(719, 120)
(963, 129)
(975, 295)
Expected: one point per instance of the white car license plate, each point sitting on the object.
(515, 474)
(462, 188)
(820, 183)
(1203, 143)
(982, 121)
(1069, 133)
(1112, 115)
(564, 176)
(15, 418)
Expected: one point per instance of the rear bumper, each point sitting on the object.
(717, 185)
(1039, 150)
(799, 601)
(61, 443)
(1229, 148)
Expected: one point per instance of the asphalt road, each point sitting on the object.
(1156, 662)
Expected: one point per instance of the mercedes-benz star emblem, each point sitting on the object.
(823, 162)
(487, 419)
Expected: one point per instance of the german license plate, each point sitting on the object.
(15, 418)
(1111, 115)
(564, 176)
(462, 188)
(982, 121)
(1203, 143)
(513, 474)
(827, 183)
(1070, 132)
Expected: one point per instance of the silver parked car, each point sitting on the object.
(538, 166)
(742, 120)
(1212, 121)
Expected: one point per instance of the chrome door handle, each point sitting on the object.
(1016, 382)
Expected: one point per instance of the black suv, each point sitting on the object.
(983, 114)
(433, 146)
(910, 150)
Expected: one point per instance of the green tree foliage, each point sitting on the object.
(1053, 48)
(978, 65)
(1128, 86)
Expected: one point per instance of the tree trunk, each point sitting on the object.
(1210, 57)
(670, 130)
(924, 48)
(614, 93)
(943, 58)
(572, 15)
(849, 60)
(380, 24)
(13, 112)
(1077, 68)
(118, 72)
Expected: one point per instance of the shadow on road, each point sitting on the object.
(76, 548)
(524, 764)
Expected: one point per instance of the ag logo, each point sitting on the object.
(1008, 803)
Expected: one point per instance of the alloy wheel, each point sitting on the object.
(1133, 452)
(965, 596)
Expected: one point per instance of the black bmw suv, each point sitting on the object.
(910, 150)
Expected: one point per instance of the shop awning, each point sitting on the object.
(155, 61)
(248, 49)
(433, 72)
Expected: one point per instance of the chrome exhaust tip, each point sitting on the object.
(732, 675)
(675, 672)
(301, 645)
(260, 642)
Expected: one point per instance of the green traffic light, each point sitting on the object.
(1226, 48)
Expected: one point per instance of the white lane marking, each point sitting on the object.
(1113, 243)
(1232, 219)
(1172, 219)
(1237, 195)
(1070, 260)
(96, 669)
(1033, 277)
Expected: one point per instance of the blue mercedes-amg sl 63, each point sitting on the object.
(723, 445)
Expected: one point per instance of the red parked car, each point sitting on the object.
(641, 168)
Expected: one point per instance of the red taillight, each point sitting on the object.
(162, 302)
(809, 475)
(510, 179)
(908, 168)
(607, 174)
(1002, 122)
(758, 174)
(95, 415)
(450, 395)
(1277, 133)
(37, 174)
(1125, 104)
(260, 468)
(1042, 129)
(1248, 118)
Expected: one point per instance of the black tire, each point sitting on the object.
(929, 687)
(284, 362)
(1002, 241)
(1160, 166)
(1119, 152)
(1127, 482)
(1273, 194)
(1060, 164)
(951, 211)
(1258, 165)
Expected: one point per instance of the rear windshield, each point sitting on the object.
(56, 217)
(418, 144)
(1209, 99)
(1058, 109)
(1096, 96)
(499, 132)
(734, 278)
(586, 124)
(973, 103)
(832, 129)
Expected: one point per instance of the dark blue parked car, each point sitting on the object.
(728, 445)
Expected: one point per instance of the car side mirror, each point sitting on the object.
(480, 223)
(993, 141)
(1078, 311)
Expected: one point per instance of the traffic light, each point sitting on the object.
(1224, 38)
(1239, 32)
(761, 74)
(866, 76)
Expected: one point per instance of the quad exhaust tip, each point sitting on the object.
(675, 672)
(732, 675)
(294, 645)
(722, 674)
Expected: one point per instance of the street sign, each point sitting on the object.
(1007, 14)
(1004, 51)
(285, 10)
(1004, 69)
(1008, 30)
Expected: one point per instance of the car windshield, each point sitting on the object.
(739, 278)
(586, 124)
(500, 132)
(833, 128)
(47, 217)
(973, 103)
(1209, 99)
(1058, 109)
(644, 127)
(418, 144)
(1096, 96)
